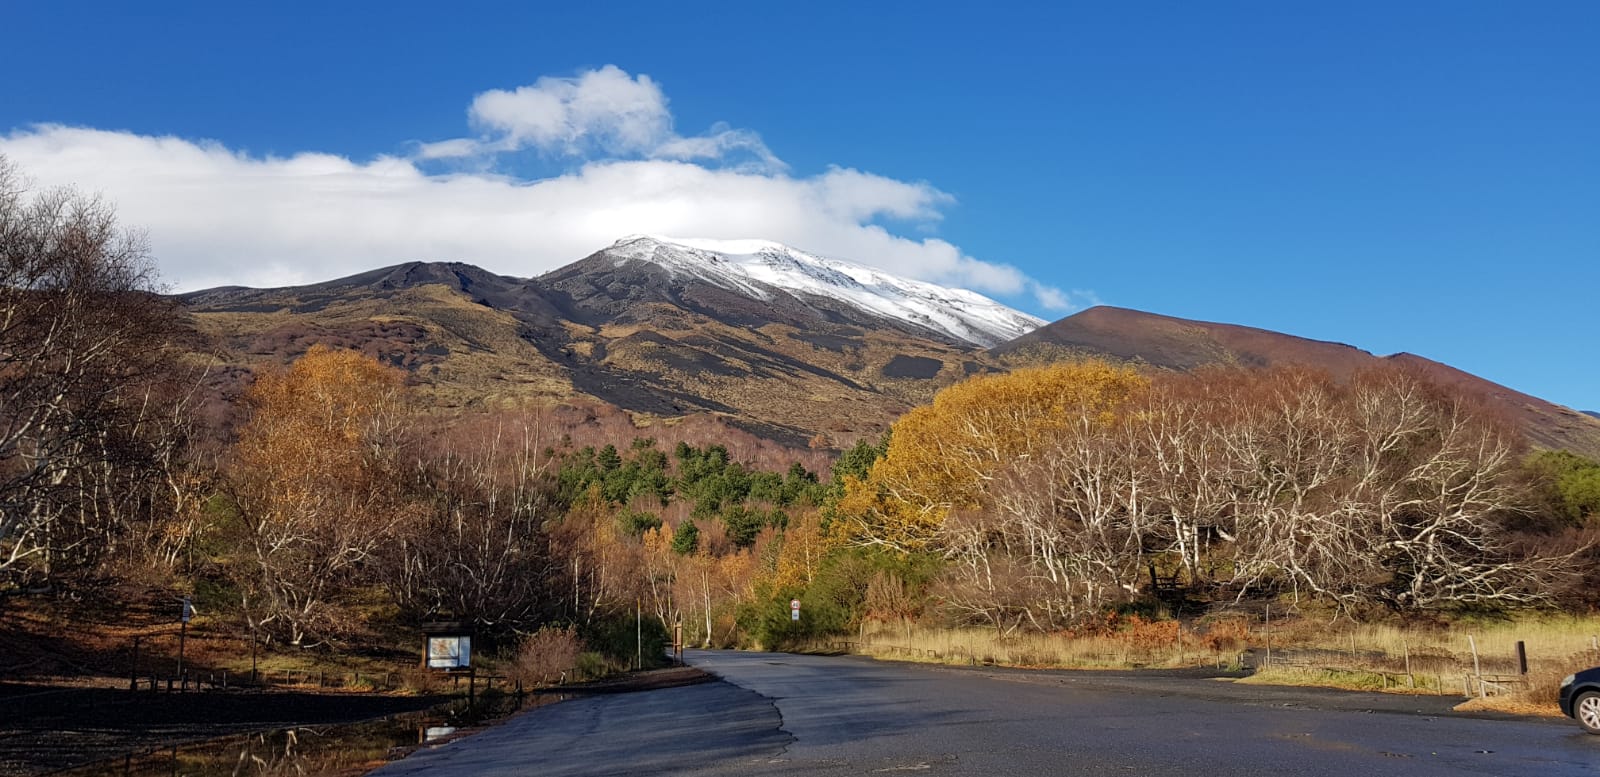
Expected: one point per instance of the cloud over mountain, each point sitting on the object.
(219, 215)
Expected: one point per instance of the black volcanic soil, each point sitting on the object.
(918, 367)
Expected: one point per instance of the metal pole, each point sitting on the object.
(1405, 645)
(638, 634)
(1477, 670)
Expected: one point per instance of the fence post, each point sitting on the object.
(133, 672)
(183, 633)
(1269, 635)
(1522, 657)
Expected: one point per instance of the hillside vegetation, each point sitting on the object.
(325, 507)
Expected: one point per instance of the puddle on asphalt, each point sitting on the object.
(314, 750)
(431, 734)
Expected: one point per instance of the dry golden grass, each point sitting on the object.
(1128, 643)
(1431, 659)
(1350, 679)
(1514, 705)
(1562, 638)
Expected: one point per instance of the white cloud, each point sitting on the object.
(721, 143)
(217, 216)
(1053, 299)
(449, 149)
(1056, 300)
(603, 109)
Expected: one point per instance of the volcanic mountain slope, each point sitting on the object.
(1181, 344)
(777, 341)
(780, 342)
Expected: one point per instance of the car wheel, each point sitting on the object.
(1586, 708)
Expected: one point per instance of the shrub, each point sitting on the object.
(1227, 636)
(545, 655)
(686, 539)
(637, 523)
(620, 637)
(590, 666)
(421, 681)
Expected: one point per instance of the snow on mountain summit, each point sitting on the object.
(760, 268)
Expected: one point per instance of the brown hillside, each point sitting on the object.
(629, 334)
(1180, 344)
(1548, 425)
(625, 334)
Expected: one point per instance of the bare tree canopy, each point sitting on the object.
(81, 347)
(1384, 490)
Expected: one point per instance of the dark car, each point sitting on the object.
(1580, 698)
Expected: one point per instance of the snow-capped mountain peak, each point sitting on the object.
(761, 268)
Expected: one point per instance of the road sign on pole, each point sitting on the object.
(794, 609)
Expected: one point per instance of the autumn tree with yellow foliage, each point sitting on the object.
(314, 484)
(946, 457)
(1047, 493)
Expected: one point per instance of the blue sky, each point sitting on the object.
(1419, 176)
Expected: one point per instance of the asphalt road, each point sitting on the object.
(780, 714)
